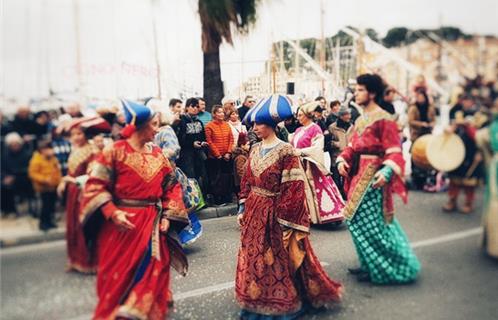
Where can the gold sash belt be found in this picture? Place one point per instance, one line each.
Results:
(264, 192)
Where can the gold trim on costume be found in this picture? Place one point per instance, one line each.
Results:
(362, 123)
(94, 204)
(78, 156)
(293, 225)
(260, 163)
(145, 165)
(294, 174)
(176, 215)
(393, 150)
(264, 192)
(101, 171)
(155, 243)
(359, 191)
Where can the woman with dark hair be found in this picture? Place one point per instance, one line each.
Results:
(278, 275)
(130, 201)
(421, 120)
(220, 143)
(238, 129)
(82, 154)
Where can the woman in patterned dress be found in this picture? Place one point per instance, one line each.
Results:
(327, 203)
(80, 158)
(278, 275)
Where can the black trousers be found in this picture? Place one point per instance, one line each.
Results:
(192, 164)
(49, 200)
(8, 200)
(221, 179)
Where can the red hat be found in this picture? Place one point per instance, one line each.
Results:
(90, 125)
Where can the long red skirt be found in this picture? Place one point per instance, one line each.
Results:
(265, 280)
(79, 258)
(134, 274)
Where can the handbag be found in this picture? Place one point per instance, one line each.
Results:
(194, 195)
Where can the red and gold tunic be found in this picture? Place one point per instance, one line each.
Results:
(133, 266)
(277, 268)
(79, 258)
(375, 142)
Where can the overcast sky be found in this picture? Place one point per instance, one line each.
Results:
(117, 51)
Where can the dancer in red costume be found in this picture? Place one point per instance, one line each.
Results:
(130, 202)
(82, 154)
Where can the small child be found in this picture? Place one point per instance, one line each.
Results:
(45, 174)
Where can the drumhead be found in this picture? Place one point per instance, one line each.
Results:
(445, 152)
(419, 152)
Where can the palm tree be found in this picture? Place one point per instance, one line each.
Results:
(217, 18)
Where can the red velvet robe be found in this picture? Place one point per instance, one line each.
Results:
(133, 271)
(375, 141)
(276, 266)
(79, 258)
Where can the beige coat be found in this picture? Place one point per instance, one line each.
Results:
(340, 139)
(416, 126)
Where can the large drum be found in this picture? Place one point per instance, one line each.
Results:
(445, 151)
(419, 152)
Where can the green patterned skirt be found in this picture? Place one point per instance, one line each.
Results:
(383, 249)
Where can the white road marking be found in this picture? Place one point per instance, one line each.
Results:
(32, 247)
(231, 284)
(61, 243)
(447, 238)
(205, 290)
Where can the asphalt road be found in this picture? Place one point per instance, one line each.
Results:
(457, 280)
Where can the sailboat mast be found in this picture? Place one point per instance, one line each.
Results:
(76, 15)
(156, 50)
(322, 43)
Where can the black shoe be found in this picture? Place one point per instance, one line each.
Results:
(52, 225)
(356, 271)
(363, 277)
(44, 227)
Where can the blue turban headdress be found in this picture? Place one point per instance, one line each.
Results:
(270, 111)
(136, 115)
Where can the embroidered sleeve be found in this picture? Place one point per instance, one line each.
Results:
(245, 186)
(391, 142)
(97, 190)
(291, 208)
(347, 154)
(393, 158)
(317, 142)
